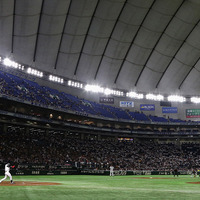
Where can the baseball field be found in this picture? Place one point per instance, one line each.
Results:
(100, 187)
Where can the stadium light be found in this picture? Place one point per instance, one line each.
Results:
(117, 93)
(9, 63)
(195, 99)
(94, 88)
(176, 98)
(74, 84)
(34, 72)
(56, 79)
(154, 97)
(134, 95)
(107, 91)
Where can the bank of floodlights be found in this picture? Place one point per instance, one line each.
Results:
(135, 95)
(34, 72)
(56, 79)
(9, 63)
(155, 97)
(176, 98)
(195, 99)
(75, 84)
(106, 91)
(94, 88)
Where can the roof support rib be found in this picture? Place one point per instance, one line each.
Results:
(13, 27)
(176, 53)
(157, 43)
(37, 36)
(133, 41)
(62, 34)
(188, 73)
(75, 71)
(109, 39)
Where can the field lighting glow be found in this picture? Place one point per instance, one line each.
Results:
(94, 88)
(176, 98)
(134, 95)
(106, 91)
(155, 97)
(34, 72)
(56, 79)
(195, 99)
(10, 63)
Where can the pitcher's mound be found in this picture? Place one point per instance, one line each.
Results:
(27, 183)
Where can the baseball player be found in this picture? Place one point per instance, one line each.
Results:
(7, 173)
(111, 170)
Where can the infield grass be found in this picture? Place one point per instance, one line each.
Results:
(103, 187)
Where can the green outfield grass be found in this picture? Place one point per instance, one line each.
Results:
(103, 187)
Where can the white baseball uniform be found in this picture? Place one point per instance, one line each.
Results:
(7, 173)
(111, 170)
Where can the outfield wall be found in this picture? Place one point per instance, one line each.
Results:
(91, 172)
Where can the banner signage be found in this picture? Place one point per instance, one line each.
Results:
(106, 100)
(169, 110)
(147, 107)
(126, 104)
(192, 113)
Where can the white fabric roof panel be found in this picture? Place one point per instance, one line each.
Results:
(77, 25)
(138, 55)
(124, 32)
(188, 55)
(108, 72)
(140, 4)
(55, 7)
(194, 39)
(91, 64)
(151, 78)
(83, 8)
(6, 8)
(109, 9)
(46, 51)
(24, 38)
(174, 76)
(6, 21)
(117, 50)
(152, 30)
(27, 7)
(113, 49)
(167, 7)
(145, 45)
(191, 84)
(133, 15)
(128, 75)
(189, 12)
(6, 35)
(101, 27)
(72, 44)
(24, 48)
(168, 46)
(66, 64)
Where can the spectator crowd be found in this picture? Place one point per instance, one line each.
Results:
(60, 149)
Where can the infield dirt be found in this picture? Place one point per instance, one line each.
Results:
(27, 183)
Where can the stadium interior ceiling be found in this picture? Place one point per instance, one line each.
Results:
(142, 45)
